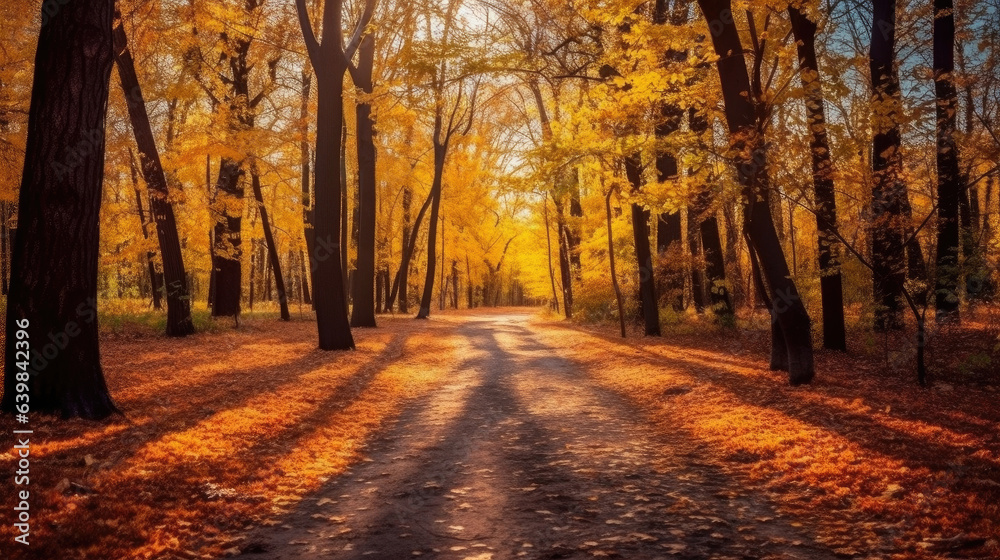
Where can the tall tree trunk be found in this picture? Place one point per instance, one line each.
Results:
(272, 247)
(53, 285)
(611, 263)
(668, 229)
(888, 191)
(404, 267)
(711, 242)
(307, 198)
(211, 232)
(328, 274)
(565, 266)
(454, 284)
(470, 290)
(387, 308)
(344, 212)
(228, 210)
(741, 116)
(831, 282)
(548, 246)
(154, 280)
(161, 210)
(573, 236)
(715, 270)
(949, 175)
(644, 256)
(698, 291)
(740, 290)
(440, 152)
(379, 282)
(443, 290)
(363, 310)
(399, 285)
(304, 278)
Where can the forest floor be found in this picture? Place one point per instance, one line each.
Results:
(495, 434)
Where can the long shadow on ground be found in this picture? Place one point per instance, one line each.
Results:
(521, 456)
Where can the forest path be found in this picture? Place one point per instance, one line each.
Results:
(521, 455)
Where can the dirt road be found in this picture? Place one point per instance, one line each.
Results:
(521, 455)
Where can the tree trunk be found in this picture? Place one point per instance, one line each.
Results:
(831, 282)
(949, 175)
(440, 151)
(328, 275)
(443, 290)
(668, 229)
(387, 308)
(741, 116)
(640, 231)
(711, 242)
(565, 266)
(344, 212)
(272, 247)
(307, 205)
(363, 310)
(53, 285)
(161, 210)
(154, 282)
(611, 260)
(715, 270)
(548, 246)
(888, 273)
(379, 282)
(304, 274)
(228, 209)
(698, 292)
(402, 276)
(470, 291)
(404, 266)
(454, 284)
(253, 272)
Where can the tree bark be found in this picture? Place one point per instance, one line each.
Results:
(399, 285)
(363, 309)
(611, 263)
(831, 282)
(345, 215)
(698, 291)
(888, 273)
(548, 246)
(440, 152)
(307, 199)
(742, 118)
(272, 247)
(227, 251)
(53, 285)
(711, 243)
(329, 65)
(949, 184)
(565, 265)
(644, 256)
(155, 281)
(160, 208)
(404, 266)
(668, 229)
